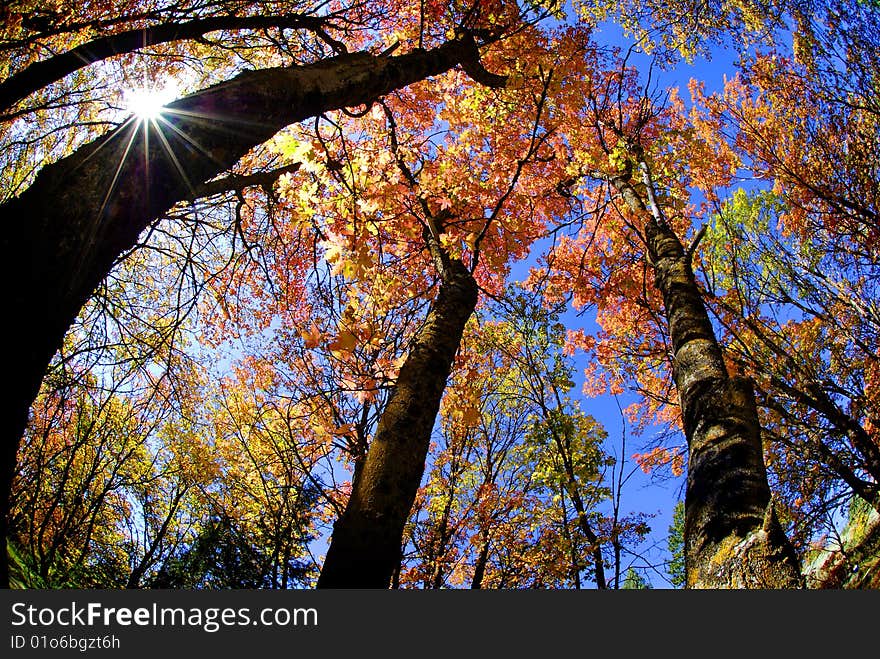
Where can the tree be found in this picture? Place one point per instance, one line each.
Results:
(802, 122)
(365, 548)
(634, 581)
(675, 541)
(366, 540)
(732, 533)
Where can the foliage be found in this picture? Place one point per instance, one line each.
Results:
(212, 404)
(634, 581)
(519, 473)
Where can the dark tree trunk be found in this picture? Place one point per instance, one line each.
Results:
(365, 547)
(589, 534)
(732, 536)
(481, 563)
(62, 236)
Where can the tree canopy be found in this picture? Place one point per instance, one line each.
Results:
(358, 294)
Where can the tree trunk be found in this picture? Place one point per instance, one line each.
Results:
(481, 563)
(732, 536)
(365, 547)
(62, 236)
(589, 534)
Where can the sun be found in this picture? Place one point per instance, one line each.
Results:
(148, 103)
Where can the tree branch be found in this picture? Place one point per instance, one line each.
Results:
(38, 75)
(689, 254)
(240, 181)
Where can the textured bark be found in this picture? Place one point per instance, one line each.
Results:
(365, 547)
(732, 536)
(63, 234)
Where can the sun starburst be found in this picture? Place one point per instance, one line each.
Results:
(147, 102)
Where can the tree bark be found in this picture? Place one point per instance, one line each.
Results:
(62, 236)
(45, 72)
(732, 536)
(365, 547)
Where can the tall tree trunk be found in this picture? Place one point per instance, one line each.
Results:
(481, 563)
(732, 536)
(365, 547)
(62, 236)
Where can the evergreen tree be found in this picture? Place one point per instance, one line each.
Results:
(675, 543)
